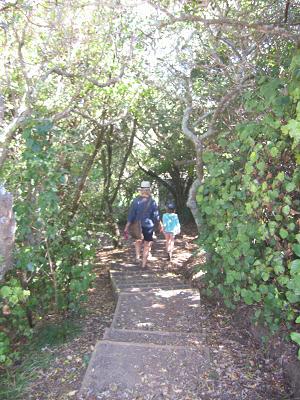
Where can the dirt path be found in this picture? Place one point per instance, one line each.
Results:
(238, 369)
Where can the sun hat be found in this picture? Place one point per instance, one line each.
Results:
(171, 206)
(145, 185)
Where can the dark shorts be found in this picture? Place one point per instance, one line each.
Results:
(148, 233)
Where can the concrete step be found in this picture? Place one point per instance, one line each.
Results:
(150, 284)
(160, 309)
(155, 337)
(119, 371)
(146, 289)
(145, 279)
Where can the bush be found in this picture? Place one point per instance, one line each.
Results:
(249, 204)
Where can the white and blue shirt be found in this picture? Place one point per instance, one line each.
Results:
(171, 223)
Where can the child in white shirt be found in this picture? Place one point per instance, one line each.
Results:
(171, 227)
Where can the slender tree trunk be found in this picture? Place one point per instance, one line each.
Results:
(86, 170)
(110, 194)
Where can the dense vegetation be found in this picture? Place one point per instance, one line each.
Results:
(249, 204)
(95, 97)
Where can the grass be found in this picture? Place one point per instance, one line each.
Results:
(14, 381)
(54, 334)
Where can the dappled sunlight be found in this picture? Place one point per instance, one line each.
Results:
(144, 324)
(158, 305)
(198, 275)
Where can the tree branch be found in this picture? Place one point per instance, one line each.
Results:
(271, 29)
(8, 132)
(286, 12)
(158, 178)
(124, 162)
(9, 5)
(109, 82)
(221, 106)
(112, 121)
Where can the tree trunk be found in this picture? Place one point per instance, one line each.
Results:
(110, 193)
(182, 188)
(7, 231)
(86, 170)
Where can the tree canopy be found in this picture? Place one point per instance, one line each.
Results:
(201, 97)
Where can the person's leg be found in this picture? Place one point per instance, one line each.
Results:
(168, 243)
(138, 245)
(148, 238)
(147, 248)
(171, 245)
(167, 235)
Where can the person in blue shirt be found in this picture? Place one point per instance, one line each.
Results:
(171, 228)
(144, 214)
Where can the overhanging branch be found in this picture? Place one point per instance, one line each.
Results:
(270, 29)
(158, 178)
(109, 82)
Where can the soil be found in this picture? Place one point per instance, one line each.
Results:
(239, 366)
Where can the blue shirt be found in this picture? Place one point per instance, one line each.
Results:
(171, 223)
(144, 209)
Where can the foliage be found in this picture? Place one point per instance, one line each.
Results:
(84, 108)
(249, 204)
(64, 116)
(13, 385)
(53, 265)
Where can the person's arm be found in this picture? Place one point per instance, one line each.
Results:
(127, 227)
(155, 216)
(178, 227)
(131, 216)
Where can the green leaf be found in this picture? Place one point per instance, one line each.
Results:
(286, 210)
(295, 266)
(283, 233)
(296, 249)
(265, 276)
(5, 291)
(247, 296)
(230, 277)
(283, 280)
(44, 127)
(278, 268)
(257, 296)
(292, 297)
(290, 187)
(280, 176)
(274, 152)
(295, 336)
(293, 129)
(298, 320)
(294, 285)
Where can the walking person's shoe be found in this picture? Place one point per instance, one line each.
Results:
(169, 257)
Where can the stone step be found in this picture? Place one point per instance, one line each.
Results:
(137, 271)
(132, 273)
(160, 309)
(136, 267)
(146, 289)
(144, 279)
(119, 371)
(155, 337)
(153, 285)
(150, 284)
